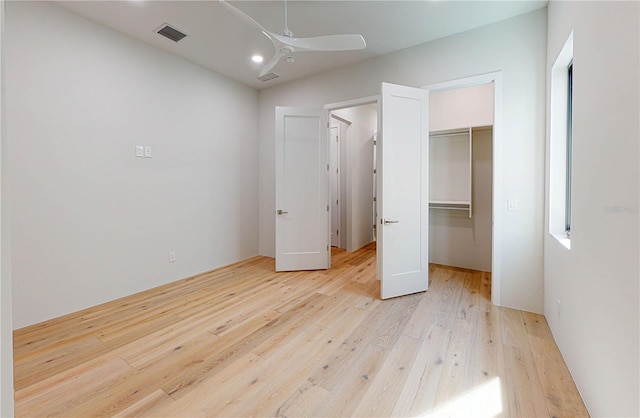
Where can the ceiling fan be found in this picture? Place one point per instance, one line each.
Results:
(286, 44)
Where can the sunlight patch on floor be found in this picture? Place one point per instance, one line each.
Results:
(484, 400)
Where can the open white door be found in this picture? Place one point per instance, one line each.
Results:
(302, 189)
(403, 191)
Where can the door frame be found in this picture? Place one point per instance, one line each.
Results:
(496, 214)
(335, 175)
(345, 174)
(344, 127)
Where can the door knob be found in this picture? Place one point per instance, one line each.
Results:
(389, 221)
(281, 212)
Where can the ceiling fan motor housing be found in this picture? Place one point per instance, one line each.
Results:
(286, 44)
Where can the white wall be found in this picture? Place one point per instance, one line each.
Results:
(358, 174)
(91, 222)
(461, 108)
(517, 48)
(6, 317)
(596, 281)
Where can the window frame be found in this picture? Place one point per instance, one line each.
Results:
(560, 139)
(569, 152)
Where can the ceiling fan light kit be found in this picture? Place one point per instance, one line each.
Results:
(286, 44)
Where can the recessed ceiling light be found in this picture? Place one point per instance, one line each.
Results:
(257, 58)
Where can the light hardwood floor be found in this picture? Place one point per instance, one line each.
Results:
(243, 340)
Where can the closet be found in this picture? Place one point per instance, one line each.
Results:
(460, 177)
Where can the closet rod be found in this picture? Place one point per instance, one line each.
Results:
(449, 134)
(447, 208)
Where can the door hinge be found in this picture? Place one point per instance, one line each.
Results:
(336, 201)
(327, 124)
(375, 199)
(327, 167)
(327, 208)
(337, 232)
(327, 248)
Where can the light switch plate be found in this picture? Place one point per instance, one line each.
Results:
(139, 151)
(512, 205)
(147, 151)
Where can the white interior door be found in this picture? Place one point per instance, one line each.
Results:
(403, 191)
(334, 174)
(302, 189)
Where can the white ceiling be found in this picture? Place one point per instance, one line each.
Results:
(220, 41)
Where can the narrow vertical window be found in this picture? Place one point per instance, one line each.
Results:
(560, 145)
(567, 215)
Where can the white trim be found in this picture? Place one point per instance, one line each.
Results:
(6, 324)
(343, 120)
(496, 250)
(353, 103)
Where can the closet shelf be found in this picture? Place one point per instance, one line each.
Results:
(450, 169)
(450, 204)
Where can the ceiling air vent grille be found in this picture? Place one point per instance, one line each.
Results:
(268, 76)
(172, 33)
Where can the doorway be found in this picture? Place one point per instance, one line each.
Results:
(482, 119)
(352, 136)
(334, 173)
(461, 160)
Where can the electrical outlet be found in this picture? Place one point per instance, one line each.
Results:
(147, 151)
(139, 151)
(172, 256)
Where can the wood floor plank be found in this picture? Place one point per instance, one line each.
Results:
(356, 379)
(557, 383)
(455, 378)
(228, 350)
(363, 295)
(488, 355)
(526, 397)
(305, 401)
(56, 400)
(272, 380)
(217, 390)
(145, 407)
(420, 322)
(45, 368)
(244, 340)
(380, 399)
(28, 361)
(419, 392)
(383, 328)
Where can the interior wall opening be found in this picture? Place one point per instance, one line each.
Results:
(352, 139)
(461, 177)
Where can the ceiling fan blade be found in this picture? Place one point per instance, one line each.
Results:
(269, 66)
(245, 17)
(323, 43)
